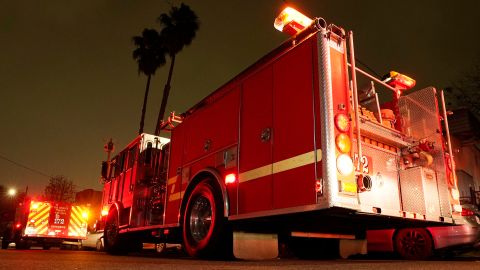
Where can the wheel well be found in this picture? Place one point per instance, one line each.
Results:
(115, 207)
(199, 177)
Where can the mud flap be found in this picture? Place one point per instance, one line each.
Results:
(350, 247)
(255, 246)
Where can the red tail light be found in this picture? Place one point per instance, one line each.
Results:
(18, 225)
(342, 122)
(230, 178)
(467, 212)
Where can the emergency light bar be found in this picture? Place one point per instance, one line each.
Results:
(399, 81)
(291, 21)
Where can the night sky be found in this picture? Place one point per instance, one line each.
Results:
(68, 81)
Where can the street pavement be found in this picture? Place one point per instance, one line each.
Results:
(38, 259)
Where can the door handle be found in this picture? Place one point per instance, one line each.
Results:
(266, 134)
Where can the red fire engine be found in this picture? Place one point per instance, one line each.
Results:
(47, 224)
(291, 147)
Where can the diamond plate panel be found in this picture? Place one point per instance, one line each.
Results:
(412, 190)
(444, 196)
(432, 204)
(384, 173)
(420, 113)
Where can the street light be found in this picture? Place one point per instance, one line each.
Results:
(12, 192)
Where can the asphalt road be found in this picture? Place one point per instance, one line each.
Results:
(73, 260)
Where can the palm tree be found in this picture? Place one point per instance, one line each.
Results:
(179, 27)
(149, 56)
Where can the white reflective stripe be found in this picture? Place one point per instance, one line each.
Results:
(172, 180)
(281, 166)
(175, 196)
(255, 173)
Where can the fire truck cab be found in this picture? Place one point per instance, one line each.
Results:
(291, 147)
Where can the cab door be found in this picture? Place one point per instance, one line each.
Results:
(128, 176)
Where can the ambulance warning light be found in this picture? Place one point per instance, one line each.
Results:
(291, 21)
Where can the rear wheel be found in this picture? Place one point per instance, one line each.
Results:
(414, 244)
(111, 235)
(205, 233)
(22, 244)
(5, 243)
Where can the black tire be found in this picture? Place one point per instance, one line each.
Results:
(5, 244)
(205, 232)
(133, 244)
(22, 244)
(111, 236)
(414, 244)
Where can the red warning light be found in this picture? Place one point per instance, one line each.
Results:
(230, 178)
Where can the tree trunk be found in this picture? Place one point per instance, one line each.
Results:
(166, 93)
(144, 108)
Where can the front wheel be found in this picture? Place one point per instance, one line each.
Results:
(414, 244)
(111, 236)
(205, 233)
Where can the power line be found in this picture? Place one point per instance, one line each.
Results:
(25, 167)
(369, 68)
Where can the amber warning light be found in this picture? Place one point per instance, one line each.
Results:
(291, 21)
(399, 81)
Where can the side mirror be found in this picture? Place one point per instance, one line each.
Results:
(104, 170)
(148, 154)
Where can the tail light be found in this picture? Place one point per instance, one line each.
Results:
(455, 194)
(342, 122)
(467, 212)
(318, 186)
(457, 208)
(343, 142)
(18, 225)
(344, 164)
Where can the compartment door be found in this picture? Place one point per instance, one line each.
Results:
(255, 160)
(293, 144)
